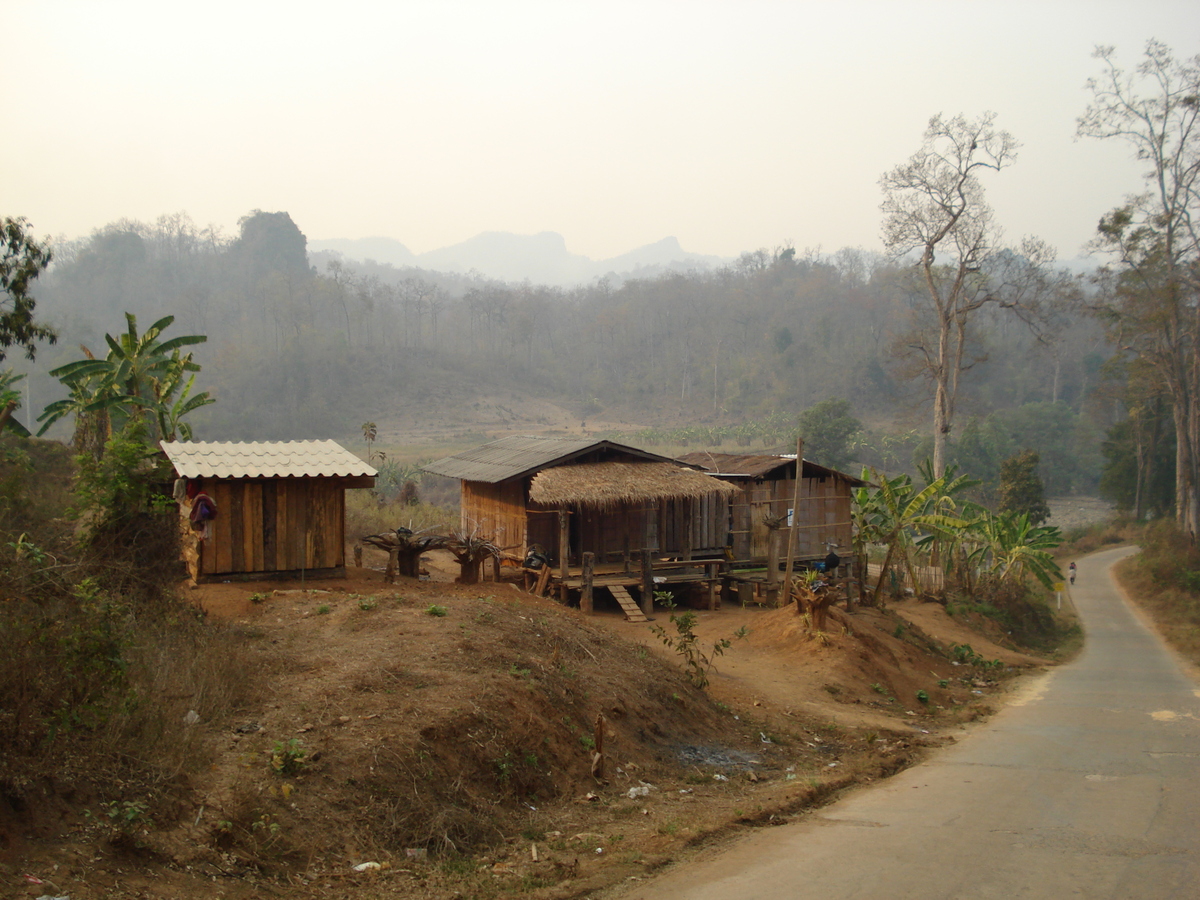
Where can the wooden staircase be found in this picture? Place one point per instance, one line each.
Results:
(633, 612)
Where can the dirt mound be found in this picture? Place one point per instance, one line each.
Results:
(448, 734)
(438, 714)
(890, 671)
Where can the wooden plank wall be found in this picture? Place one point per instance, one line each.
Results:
(609, 532)
(709, 525)
(823, 504)
(497, 512)
(275, 525)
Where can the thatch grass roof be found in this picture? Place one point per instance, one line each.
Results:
(607, 485)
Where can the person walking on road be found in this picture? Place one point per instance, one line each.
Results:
(1071, 572)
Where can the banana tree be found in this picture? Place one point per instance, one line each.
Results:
(10, 401)
(169, 410)
(945, 548)
(1011, 548)
(896, 515)
(140, 374)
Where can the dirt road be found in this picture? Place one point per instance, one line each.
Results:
(1085, 786)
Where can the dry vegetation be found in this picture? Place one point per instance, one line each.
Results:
(1164, 580)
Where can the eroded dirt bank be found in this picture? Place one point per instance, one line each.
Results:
(447, 736)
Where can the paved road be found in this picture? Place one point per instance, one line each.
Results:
(1087, 786)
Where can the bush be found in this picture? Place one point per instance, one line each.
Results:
(101, 664)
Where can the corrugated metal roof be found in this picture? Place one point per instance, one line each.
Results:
(756, 465)
(517, 454)
(266, 459)
(746, 465)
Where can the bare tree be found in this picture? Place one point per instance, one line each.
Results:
(1155, 237)
(934, 206)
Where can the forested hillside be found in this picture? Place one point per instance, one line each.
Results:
(307, 346)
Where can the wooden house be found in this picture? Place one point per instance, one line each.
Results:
(278, 508)
(767, 484)
(572, 496)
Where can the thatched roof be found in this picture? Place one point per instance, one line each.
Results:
(610, 484)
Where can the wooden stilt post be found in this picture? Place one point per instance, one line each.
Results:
(690, 531)
(794, 524)
(564, 543)
(773, 566)
(647, 583)
(585, 592)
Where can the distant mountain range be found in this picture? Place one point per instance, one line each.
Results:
(540, 258)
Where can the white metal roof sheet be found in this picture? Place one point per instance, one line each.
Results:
(266, 459)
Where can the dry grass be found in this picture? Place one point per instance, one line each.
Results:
(365, 514)
(1164, 579)
(1081, 541)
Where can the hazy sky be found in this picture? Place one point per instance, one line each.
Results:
(730, 125)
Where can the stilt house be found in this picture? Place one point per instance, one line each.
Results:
(278, 508)
(572, 495)
(767, 484)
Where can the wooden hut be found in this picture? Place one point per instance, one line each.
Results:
(279, 508)
(573, 496)
(767, 485)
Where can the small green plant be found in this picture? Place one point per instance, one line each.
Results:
(125, 816)
(23, 548)
(878, 688)
(258, 597)
(518, 672)
(367, 603)
(288, 758)
(899, 632)
(922, 696)
(589, 743)
(943, 682)
(267, 829)
(962, 653)
(696, 662)
(504, 767)
(434, 610)
(323, 609)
